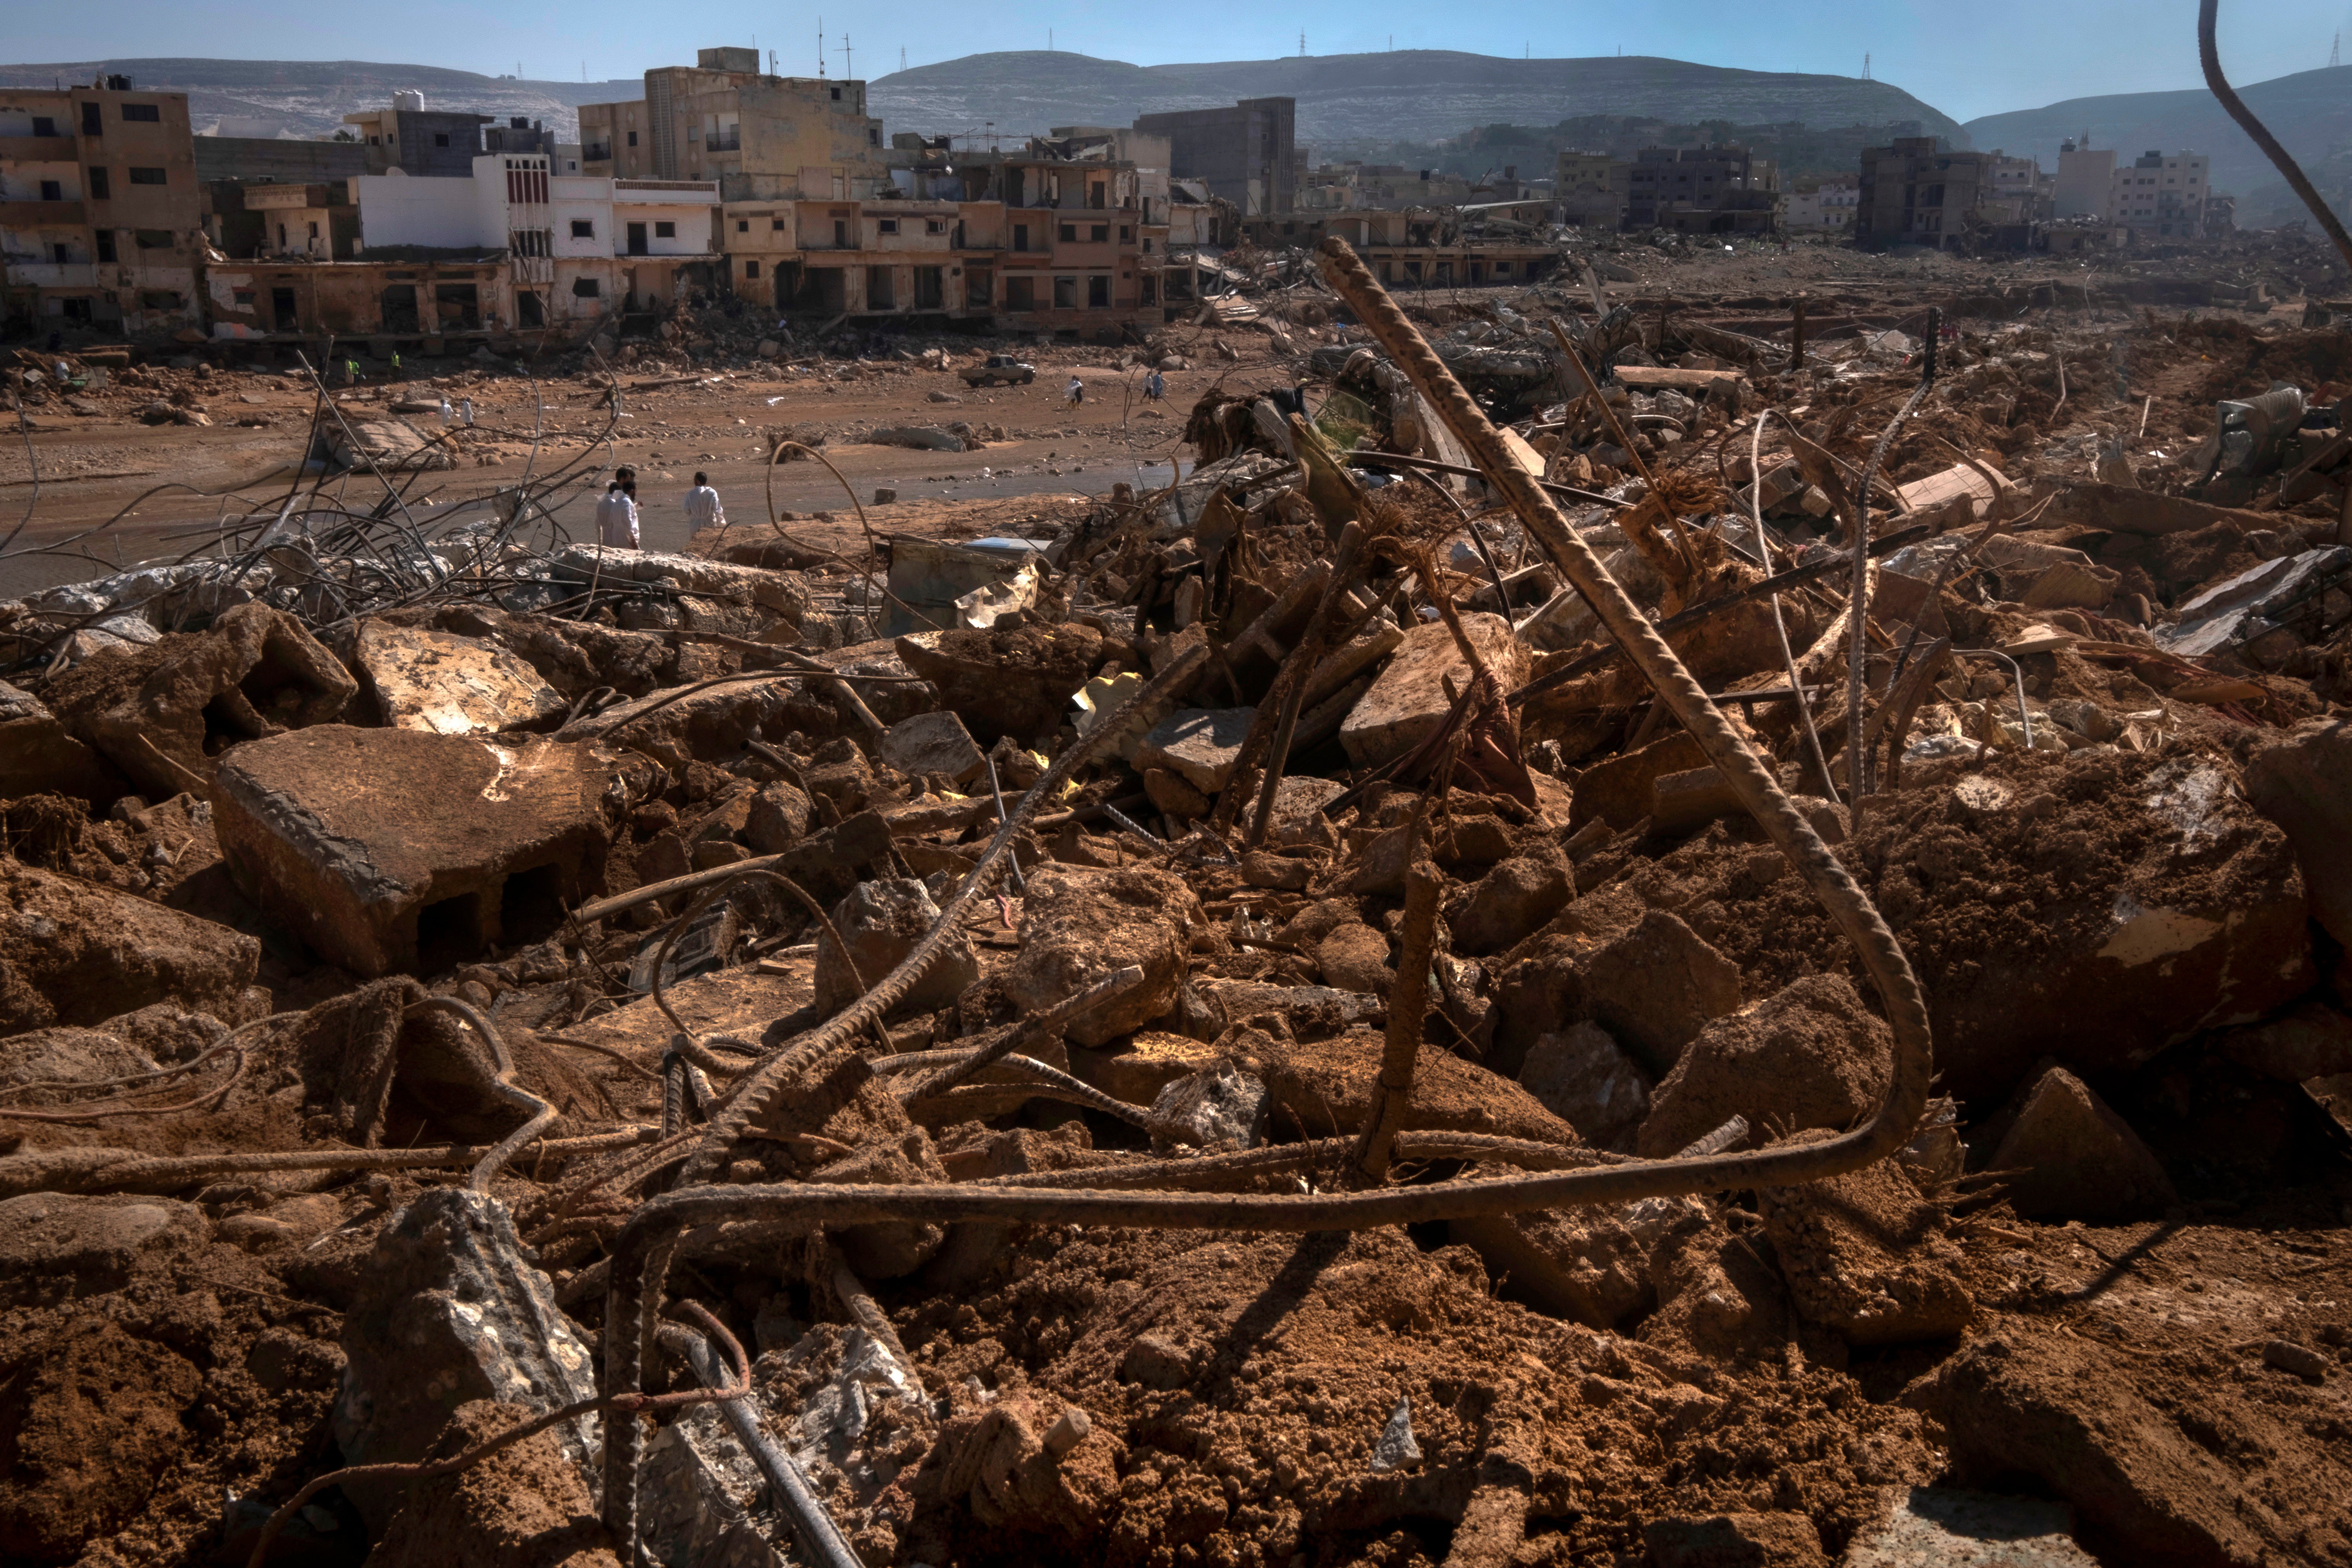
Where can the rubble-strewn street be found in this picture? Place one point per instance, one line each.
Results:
(1265, 1010)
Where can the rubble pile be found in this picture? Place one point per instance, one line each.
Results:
(1253, 1035)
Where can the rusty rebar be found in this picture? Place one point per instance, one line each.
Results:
(2208, 55)
(1408, 1013)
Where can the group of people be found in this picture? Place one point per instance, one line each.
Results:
(1155, 387)
(616, 514)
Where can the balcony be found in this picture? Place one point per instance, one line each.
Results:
(42, 214)
(37, 150)
(731, 141)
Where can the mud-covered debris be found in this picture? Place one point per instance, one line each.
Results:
(2067, 1156)
(1809, 1056)
(1078, 926)
(880, 923)
(72, 952)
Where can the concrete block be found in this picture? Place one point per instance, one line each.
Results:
(395, 850)
(1409, 701)
(449, 685)
(881, 921)
(2075, 1158)
(1200, 745)
(932, 744)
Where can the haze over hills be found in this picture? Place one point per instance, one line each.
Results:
(2310, 112)
(1418, 95)
(1405, 95)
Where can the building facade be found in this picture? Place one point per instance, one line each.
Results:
(1248, 152)
(2162, 194)
(762, 137)
(1718, 189)
(1591, 189)
(2086, 179)
(100, 213)
(1913, 195)
(416, 139)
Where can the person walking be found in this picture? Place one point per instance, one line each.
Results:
(1076, 391)
(617, 517)
(1154, 387)
(702, 507)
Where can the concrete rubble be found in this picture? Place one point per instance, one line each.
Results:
(425, 949)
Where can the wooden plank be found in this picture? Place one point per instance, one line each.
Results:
(1650, 377)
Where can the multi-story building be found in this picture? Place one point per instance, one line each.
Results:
(1827, 209)
(2162, 194)
(100, 214)
(2085, 179)
(1718, 189)
(1591, 189)
(762, 137)
(1913, 195)
(1247, 153)
(416, 139)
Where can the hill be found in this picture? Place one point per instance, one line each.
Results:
(2310, 112)
(1418, 95)
(310, 98)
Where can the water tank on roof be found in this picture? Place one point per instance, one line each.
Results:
(409, 99)
(118, 84)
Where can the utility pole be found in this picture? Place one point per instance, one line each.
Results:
(1866, 67)
(902, 56)
(848, 65)
(820, 47)
(2336, 51)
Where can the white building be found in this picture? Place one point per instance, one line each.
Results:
(2160, 194)
(579, 245)
(1827, 210)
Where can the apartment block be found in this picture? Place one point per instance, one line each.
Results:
(762, 137)
(1827, 209)
(416, 139)
(100, 214)
(1247, 153)
(2086, 179)
(1591, 189)
(2162, 194)
(1717, 189)
(1913, 195)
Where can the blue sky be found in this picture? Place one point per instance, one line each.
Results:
(1965, 58)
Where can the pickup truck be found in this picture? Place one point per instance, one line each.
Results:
(1001, 370)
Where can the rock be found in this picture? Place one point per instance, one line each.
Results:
(450, 1312)
(1396, 1449)
(1683, 803)
(1297, 817)
(1155, 1362)
(1218, 1107)
(846, 779)
(523, 1505)
(1354, 957)
(2304, 783)
(1230, 1001)
(1581, 1077)
(74, 953)
(1735, 1540)
(2314, 1040)
(151, 710)
(2071, 1413)
(1078, 926)
(1620, 789)
(782, 593)
(883, 496)
(91, 1422)
(1200, 745)
(701, 726)
(1512, 902)
(924, 438)
(778, 818)
(1946, 1527)
(1137, 1068)
(1714, 1293)
(1281, 872)
(450, 685)
(256, 1232)
(1069, 1429)
(1173, 794)
(2073, 1158)
(2301, 1360)
(932, 744)
(1328, 1085)
(882, 920)
(1408, 701)
(39, 756)
(353, 839)
(56, 1247)
(1642, 974)
(1576, 1263)
(69, 1055)
(1866, 1257)
(936, 395)
(1809, 1056)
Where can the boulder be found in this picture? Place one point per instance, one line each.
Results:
(1581, 1076)
(1809, 1056)
(2304, 783)
(1199, 745)
(2067, 1157)
(1078, 926)
(881, 922)
(1354, 957)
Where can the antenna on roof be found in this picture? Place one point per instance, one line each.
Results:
(820, 46)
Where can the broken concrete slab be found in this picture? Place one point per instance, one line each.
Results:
(1941, 489)
(2244, 609)
(1511, 901)
(450, 1310)
(1409, 701)
(1079, 926)
(160, 712)
(1809, 1056)
(72, 952)
(1199, 745)
(784, 593)
(931, 744)
(390, 849)
(1328, 1085)
(2066, 1155)
(450, 685)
